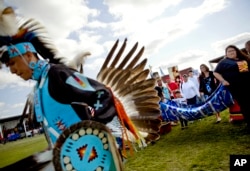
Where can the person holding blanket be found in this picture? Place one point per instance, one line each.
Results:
(233, 72)
(208, 84)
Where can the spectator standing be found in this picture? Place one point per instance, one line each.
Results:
(189, 91)
(193, 78)
(162, 90)
(172, 87)
(180, 99)
(233, 72)
(247, 48)
(178, 81)
(208, 84)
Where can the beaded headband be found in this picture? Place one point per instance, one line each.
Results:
(20, 48)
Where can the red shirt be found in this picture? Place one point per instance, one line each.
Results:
(173, 86)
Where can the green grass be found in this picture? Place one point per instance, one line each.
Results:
(16, 150)
(204, 146)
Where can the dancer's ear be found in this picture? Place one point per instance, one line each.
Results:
(30, 57)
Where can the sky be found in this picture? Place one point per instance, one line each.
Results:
(180, 32)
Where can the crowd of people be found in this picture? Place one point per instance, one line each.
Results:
(192, 89)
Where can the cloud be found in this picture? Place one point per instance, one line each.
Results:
(153, 23)
(2, 104)
(17, 105)
(59, 17)
(77, 26)
(195, 57)
(127, 9)
(186, 59)
(4, 109)
(8, 110)
(237, 40)
(74, 25)
(11, 80)
(94, 66)
(62, 20)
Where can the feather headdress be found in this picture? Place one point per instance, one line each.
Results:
(15, 29)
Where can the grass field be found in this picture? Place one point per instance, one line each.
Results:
(204, 146)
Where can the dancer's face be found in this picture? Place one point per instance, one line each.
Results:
(19, 65)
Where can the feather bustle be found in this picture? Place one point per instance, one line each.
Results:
(136, 93)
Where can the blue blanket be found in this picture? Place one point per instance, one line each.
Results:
(220, 100)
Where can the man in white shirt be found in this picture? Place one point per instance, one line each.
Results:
(193, 78)
(189, 91)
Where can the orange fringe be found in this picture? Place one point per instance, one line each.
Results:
(125, 121)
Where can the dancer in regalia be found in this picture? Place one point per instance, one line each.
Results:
(81, 116)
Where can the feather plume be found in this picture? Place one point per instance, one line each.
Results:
(14, 28)
(78, 61)
(8, 22)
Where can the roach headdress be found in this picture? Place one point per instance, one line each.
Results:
(19, 35)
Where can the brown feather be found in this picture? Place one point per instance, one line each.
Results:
(152, 138)
(146, 98)
(114, 75)
(137, 74)
(102, 75)
(108, 58)
(107, 78)
(139, 86)
(141, 76)
(118, 79)
(119, 54)
(135, 59)
(127, 57)
(149, 103)
(147, 111)
(121, 80)
(115, 71)
(140, 67)
(142, 93)
(147, 125)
